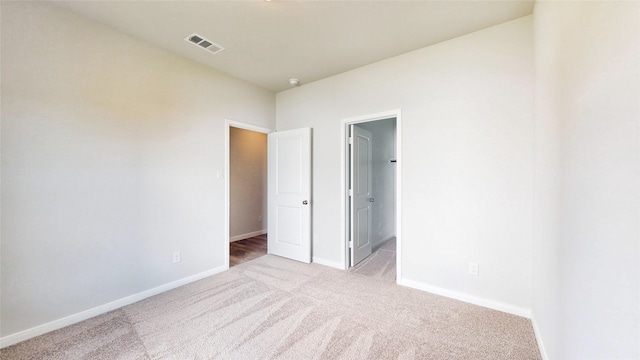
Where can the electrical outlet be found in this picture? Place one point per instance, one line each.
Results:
(473, 269)
(176, 257)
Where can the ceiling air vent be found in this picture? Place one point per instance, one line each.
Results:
(200, 41)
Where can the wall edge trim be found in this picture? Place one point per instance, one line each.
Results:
(247, 235)
(536, 332)
(27, 334)
(475, 300)
(329, 263)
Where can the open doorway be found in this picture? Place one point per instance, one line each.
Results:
(246, 192)
(372, 195)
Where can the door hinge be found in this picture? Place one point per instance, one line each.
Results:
(350, 192)
(350, 140)
(350, 244)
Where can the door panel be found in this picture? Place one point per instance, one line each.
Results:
(362, 194)
(289, 154)
(289, 225)
(289, 194)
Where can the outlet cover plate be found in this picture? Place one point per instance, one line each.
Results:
(473, 268)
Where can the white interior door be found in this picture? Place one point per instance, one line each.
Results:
(289, 194)
(361, 195)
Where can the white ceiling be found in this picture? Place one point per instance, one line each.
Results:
(266, 43)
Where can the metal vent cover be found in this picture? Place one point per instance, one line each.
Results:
(200, 41)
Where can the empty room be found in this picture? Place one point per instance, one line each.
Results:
(431, 180)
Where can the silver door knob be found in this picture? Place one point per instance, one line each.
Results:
(304, 202)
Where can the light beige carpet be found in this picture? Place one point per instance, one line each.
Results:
(274, 308)
(381, 264)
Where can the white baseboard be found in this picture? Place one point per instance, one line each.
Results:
(247, 235)
(98, 310)
(329, 263)
(389, 237)
(384, 240)
(536, 331)
(491, 304)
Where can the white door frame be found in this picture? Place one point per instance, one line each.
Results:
(227, 207)
(345, 183)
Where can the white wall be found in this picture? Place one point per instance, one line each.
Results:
(467, 117)
(109, 154)
(383, 215)
(587, 224)
(110, 149)
(546, 195)
(248, 183)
